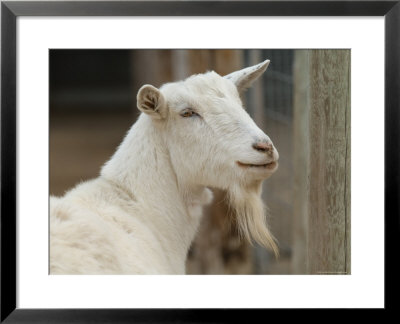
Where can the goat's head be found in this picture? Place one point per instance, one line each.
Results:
(212, 141)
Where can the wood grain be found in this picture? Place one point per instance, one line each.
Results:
(329, 194)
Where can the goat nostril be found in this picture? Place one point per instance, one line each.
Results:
(262, 146)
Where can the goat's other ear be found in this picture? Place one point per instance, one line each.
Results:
(244, 78)
(151, 101)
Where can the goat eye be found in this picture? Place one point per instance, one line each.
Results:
(188, 113)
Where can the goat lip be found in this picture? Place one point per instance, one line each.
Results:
(269, 165)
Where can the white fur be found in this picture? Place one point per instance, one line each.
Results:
(141, 214)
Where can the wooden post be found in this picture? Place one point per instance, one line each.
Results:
(327, 165)
(348, 173)
(322, 162)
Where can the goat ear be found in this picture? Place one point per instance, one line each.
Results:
(244, 78)
(151, 101)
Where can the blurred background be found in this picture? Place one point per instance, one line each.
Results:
(93, 104)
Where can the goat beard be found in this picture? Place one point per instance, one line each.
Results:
(245, 201)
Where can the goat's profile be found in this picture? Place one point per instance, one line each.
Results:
(141, 214)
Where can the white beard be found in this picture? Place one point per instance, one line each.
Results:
(250, 211)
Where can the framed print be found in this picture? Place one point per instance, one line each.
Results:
(324, 93)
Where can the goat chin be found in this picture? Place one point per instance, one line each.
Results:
(250, 215)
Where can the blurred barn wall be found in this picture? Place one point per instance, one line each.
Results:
(92, 105)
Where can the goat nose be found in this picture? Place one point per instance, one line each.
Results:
(263, 147)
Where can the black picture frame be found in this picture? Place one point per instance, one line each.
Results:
(11, 10)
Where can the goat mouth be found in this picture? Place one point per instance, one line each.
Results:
(269, 166)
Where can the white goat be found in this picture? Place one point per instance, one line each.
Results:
(141, 214)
